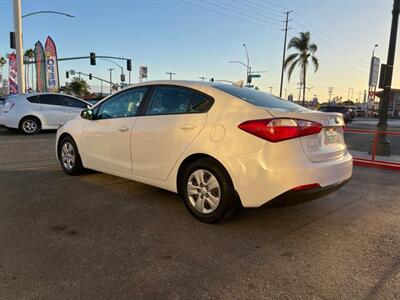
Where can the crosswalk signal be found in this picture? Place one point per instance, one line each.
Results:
(90, 76)
(129, 65)
(92, 58)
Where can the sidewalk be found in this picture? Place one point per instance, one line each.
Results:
(369, 123)
(365, 155)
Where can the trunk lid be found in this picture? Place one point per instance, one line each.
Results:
(329, 143)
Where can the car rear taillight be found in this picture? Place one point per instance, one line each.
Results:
(8, 106)
(280, 129)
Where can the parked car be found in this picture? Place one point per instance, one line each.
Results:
(215, 144)
(345, 111)
(32, 112)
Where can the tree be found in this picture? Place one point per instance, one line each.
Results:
(305, 52)
(77, 87)
(29, 54)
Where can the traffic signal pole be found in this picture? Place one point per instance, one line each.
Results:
(383, 144)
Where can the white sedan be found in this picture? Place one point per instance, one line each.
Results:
(217, 145)
(32, 112)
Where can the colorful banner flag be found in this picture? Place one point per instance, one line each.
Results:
(52, 78)
(12, 73)
(40, 68)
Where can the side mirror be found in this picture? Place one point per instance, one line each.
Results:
(87, 114)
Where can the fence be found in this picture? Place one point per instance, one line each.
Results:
(364, 160)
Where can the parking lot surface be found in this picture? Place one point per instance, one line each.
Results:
(101, 237)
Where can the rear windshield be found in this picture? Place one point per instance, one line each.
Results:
(258, 98)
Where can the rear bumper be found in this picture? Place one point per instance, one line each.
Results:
(260, 177)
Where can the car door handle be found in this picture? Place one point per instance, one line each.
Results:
(123, 128)
(187, 126)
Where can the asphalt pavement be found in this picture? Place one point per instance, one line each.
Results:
(101, 237)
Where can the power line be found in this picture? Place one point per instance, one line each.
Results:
(229, 15)
(240, 11)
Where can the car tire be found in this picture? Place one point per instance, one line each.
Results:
(208, 191)
(69, 157)
(29, 125)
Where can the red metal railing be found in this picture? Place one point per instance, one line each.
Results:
(373, 162)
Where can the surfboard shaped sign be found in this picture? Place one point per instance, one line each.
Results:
(52, 77)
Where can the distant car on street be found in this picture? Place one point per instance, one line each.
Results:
(215, 144)
(345, 111)
(31, 113)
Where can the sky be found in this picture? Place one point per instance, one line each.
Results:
(196, 38)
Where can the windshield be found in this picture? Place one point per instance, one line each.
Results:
(258, 98)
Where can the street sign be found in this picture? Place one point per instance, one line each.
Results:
(143, 72)
(255, 75)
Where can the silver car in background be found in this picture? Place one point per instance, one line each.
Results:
(31, 113)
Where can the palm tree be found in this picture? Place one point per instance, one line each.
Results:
(305, 51)
(29, 54)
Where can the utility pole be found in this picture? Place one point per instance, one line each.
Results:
(111, 69)
(202, 78)
(330, 92)
(300, 85)
(270, 89)
(284, 50)
(170, 74)
(19, 47)
(383, 144)
(350, 92)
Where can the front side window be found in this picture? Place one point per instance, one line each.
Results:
(122, 105)
(175, 100)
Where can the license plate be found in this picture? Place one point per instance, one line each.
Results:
(331, 136)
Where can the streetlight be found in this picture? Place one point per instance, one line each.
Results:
(373, 51)
(18, 41)
(118, 65)
(248, 68)
(48, 12)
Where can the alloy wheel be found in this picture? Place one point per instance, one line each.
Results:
(204, 191)
(29, 126)
(68, 155)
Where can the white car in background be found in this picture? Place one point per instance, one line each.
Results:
(214, 144)
(31, 113)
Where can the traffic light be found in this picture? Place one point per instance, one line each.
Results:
(12, 40)
(67, 74)
(90, 76)
(92, 58)
(129, 64)
(249, 77)
(122, 77)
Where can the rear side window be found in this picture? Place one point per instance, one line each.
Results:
(33, 99)
(175, 100)
(50, 99)
(258, 98)
(200, 103)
